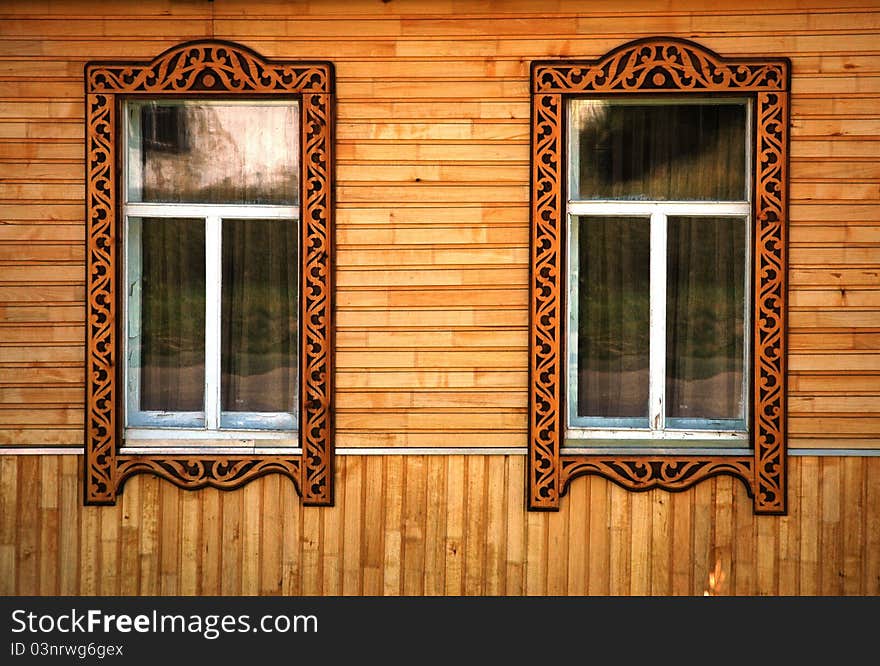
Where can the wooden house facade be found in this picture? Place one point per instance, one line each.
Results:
(433, 453)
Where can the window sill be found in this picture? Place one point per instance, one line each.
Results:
(159, 441)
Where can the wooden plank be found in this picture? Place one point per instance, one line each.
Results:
(872, 527)
(641, 545)
(536, 561)
(69, 534)
(853, 527)
(662, 517)
(415, 503)
(291, 544)
(620, 540)
(169, 539)
(311, 579)
(789, 533)
(599, 541)
(232, 539)
(270, 536)
(350, 474)
(149, 575)
(475, 526)
(724, 568)
(190, 545)
(830, 526)
(212, 546)
(496, 525)
(129, 539)
(578, 525)
(9, 511)
(455, 525)
(515, 503)
(372, 537)
(435, 527)
(392, 526)
(28, 529)
(558, 548)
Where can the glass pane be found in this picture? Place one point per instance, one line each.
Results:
(705, 310)
(259, 316)
(658, 151)
(213, 152)
(613, 316)
(172, 343)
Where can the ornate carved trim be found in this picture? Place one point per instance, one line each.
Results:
(658, 66)
(206, 471)
(667, 472)
(207, 68)
(661, 64)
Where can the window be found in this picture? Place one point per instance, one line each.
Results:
(209, 264)
(211, 280)
(658, 222)
(657, 351)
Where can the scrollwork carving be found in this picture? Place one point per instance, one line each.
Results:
(200, 68)
(658, 65)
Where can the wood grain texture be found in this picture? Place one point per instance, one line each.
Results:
(385, 536)
(432, 293)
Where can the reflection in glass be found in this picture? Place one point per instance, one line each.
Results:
(213, 152)
(258, 312)
(613, 316)
(706, 259)
(172, 343)
(659, 152)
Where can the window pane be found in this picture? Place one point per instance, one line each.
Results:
(613, 316)
(259, 316)
(213, 152)
(705, 310)
(172, 349)
(667, 151)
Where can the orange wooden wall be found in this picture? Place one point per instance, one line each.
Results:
(432, 212)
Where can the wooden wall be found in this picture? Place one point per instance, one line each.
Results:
(432, 146)
(435, 525)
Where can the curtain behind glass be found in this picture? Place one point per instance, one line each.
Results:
(659, 152)
(613, 316)
(172, 353)
(705, 317)
(258, 358)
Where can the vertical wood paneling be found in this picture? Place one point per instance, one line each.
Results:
(632, 544)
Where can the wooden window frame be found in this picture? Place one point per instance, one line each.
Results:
(211, 68)
(658, 65)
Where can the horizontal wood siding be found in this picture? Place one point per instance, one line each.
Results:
(432, 276)
(438, 525)
(432, 198)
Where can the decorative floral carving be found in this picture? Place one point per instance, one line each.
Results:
(671, 65)
(205, 68)
(201, 472)
(658, 65)
(643, 473)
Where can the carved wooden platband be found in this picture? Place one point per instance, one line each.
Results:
(204, 69)
(658, 66)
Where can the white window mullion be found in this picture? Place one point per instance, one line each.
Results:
(657, 358)
(213, 276)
